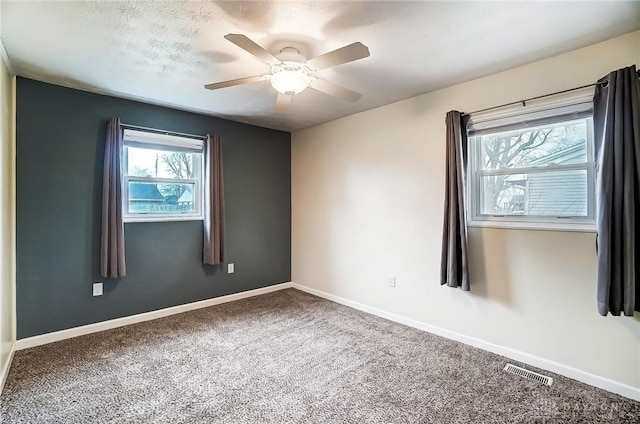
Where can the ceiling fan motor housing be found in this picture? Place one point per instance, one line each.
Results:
(292, 75)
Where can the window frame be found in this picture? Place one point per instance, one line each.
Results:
(551, 112)
(168, 143)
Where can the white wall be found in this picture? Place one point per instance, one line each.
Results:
(7, 218)
(367, 201)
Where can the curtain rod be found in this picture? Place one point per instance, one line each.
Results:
(524, 102)
(157, 131)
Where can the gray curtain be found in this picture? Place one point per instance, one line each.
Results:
(112, 263)
(616, 121)
(454, 266)
(214, 225)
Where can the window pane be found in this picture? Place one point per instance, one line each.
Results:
(562, 143)
(160, 163)
(161, 197)
(556, 193)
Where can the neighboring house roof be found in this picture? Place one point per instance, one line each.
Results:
(187, 196)
(172, 199)
(563, 156)
(144, 192)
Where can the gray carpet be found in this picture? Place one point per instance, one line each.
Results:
(285, 357)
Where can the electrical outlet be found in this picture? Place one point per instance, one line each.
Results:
(230, 268)
(392, 281)
(97, 289)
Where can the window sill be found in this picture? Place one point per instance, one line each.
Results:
(536, 226)
(133, 219)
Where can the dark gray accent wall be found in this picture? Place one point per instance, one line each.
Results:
(60, 139)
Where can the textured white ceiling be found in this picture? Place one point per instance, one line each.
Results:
(164, 52)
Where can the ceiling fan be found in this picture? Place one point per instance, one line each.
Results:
(291, 72)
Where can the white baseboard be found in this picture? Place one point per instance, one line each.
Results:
(147, 316)
(555, 367)
(4, 368)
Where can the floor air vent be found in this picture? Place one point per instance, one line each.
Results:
(529, 374)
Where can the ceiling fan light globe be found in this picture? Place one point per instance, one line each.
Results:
(290, 82)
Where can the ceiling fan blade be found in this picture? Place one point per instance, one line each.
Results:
(231, 83)
(282, 102)
(335, 90)
(345, 54)
(247, 44)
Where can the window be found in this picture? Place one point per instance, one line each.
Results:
(162, 177)
(533, 169)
